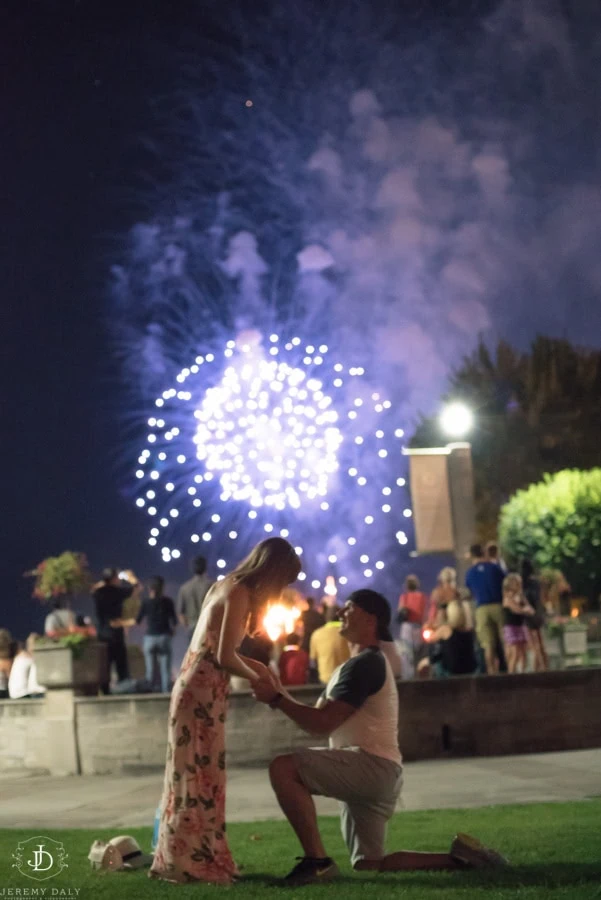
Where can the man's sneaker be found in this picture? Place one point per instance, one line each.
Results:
(471, 852)
(311, 871)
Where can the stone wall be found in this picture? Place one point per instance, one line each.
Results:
(458, 717)
(127, 735)
(23, 732)
(530, 713)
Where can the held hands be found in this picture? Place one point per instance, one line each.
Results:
(266, 687)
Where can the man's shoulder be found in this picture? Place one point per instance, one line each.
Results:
(370, 660)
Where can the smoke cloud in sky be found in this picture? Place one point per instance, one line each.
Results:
(398, 185)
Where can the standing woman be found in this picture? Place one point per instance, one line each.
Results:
(192, 845)
(515, 632)
(532, 592)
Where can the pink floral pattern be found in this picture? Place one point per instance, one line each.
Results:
(192, 844)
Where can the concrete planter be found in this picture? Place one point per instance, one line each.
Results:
(61, 667)
(553, 645)
(574, 641)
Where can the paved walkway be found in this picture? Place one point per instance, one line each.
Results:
(38, 801)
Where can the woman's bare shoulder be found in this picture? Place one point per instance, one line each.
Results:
(232, 591)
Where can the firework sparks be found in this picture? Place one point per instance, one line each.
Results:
(255, 441)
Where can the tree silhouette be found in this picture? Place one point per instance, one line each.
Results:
(535, 413)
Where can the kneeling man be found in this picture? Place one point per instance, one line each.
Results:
(362, 768)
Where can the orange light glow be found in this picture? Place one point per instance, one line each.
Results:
(279, 620)
(575, 612)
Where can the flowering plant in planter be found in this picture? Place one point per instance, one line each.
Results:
(61, 575)
(76, 641)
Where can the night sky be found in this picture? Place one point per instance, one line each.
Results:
(79, 76)
(80, 79)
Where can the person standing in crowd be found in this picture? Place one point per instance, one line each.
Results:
(312, 619)
(327, 648)
(192, 842)
(362, 767)
(516, 608)
(191, 595)
(109, 596)
(443, 593)
(23, 681)
(411, 615)
(484, 580)
(159, 612)
(492, 555)
(293, 662)
(532, 592)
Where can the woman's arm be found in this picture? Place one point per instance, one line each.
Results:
(256, 666)
(510, 603)
(235, 614)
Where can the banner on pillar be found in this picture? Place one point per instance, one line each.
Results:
(431, 500)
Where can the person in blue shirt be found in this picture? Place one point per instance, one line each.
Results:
(484, 581)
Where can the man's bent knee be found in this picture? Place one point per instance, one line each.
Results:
(282, 769)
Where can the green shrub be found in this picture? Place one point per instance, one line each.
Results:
(557, 524)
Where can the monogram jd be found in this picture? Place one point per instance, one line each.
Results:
(40, 858)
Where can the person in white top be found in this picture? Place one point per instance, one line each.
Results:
(358, 712)
(23, 680)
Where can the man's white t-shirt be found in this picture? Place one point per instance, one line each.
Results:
(366, 682)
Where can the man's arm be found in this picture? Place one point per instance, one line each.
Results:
(322, 721)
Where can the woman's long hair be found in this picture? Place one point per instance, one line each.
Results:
(512, 584)
(269, 566)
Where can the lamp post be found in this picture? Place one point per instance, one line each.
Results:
(442, 490)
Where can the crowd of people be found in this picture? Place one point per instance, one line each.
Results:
(486, 625)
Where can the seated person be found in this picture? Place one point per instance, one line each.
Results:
(455, 639)
(293, 662)
(59, 621)
(23, 680)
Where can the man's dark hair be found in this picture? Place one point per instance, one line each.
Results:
(156, 585)
(492, 550)
(108, 574)
(293, 638)
(476, 551)
(199, 565)
(412, 583)
(310, 602)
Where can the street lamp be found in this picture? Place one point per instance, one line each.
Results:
(456, 420)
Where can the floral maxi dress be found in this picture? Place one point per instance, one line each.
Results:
(192, 845)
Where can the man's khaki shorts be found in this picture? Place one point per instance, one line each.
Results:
(367, 786)
(489, 625)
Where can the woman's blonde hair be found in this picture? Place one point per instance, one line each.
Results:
(448, 575)
(271, 565)
(456, 617)
(512, 583)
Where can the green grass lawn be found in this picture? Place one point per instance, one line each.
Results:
(555, 850)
